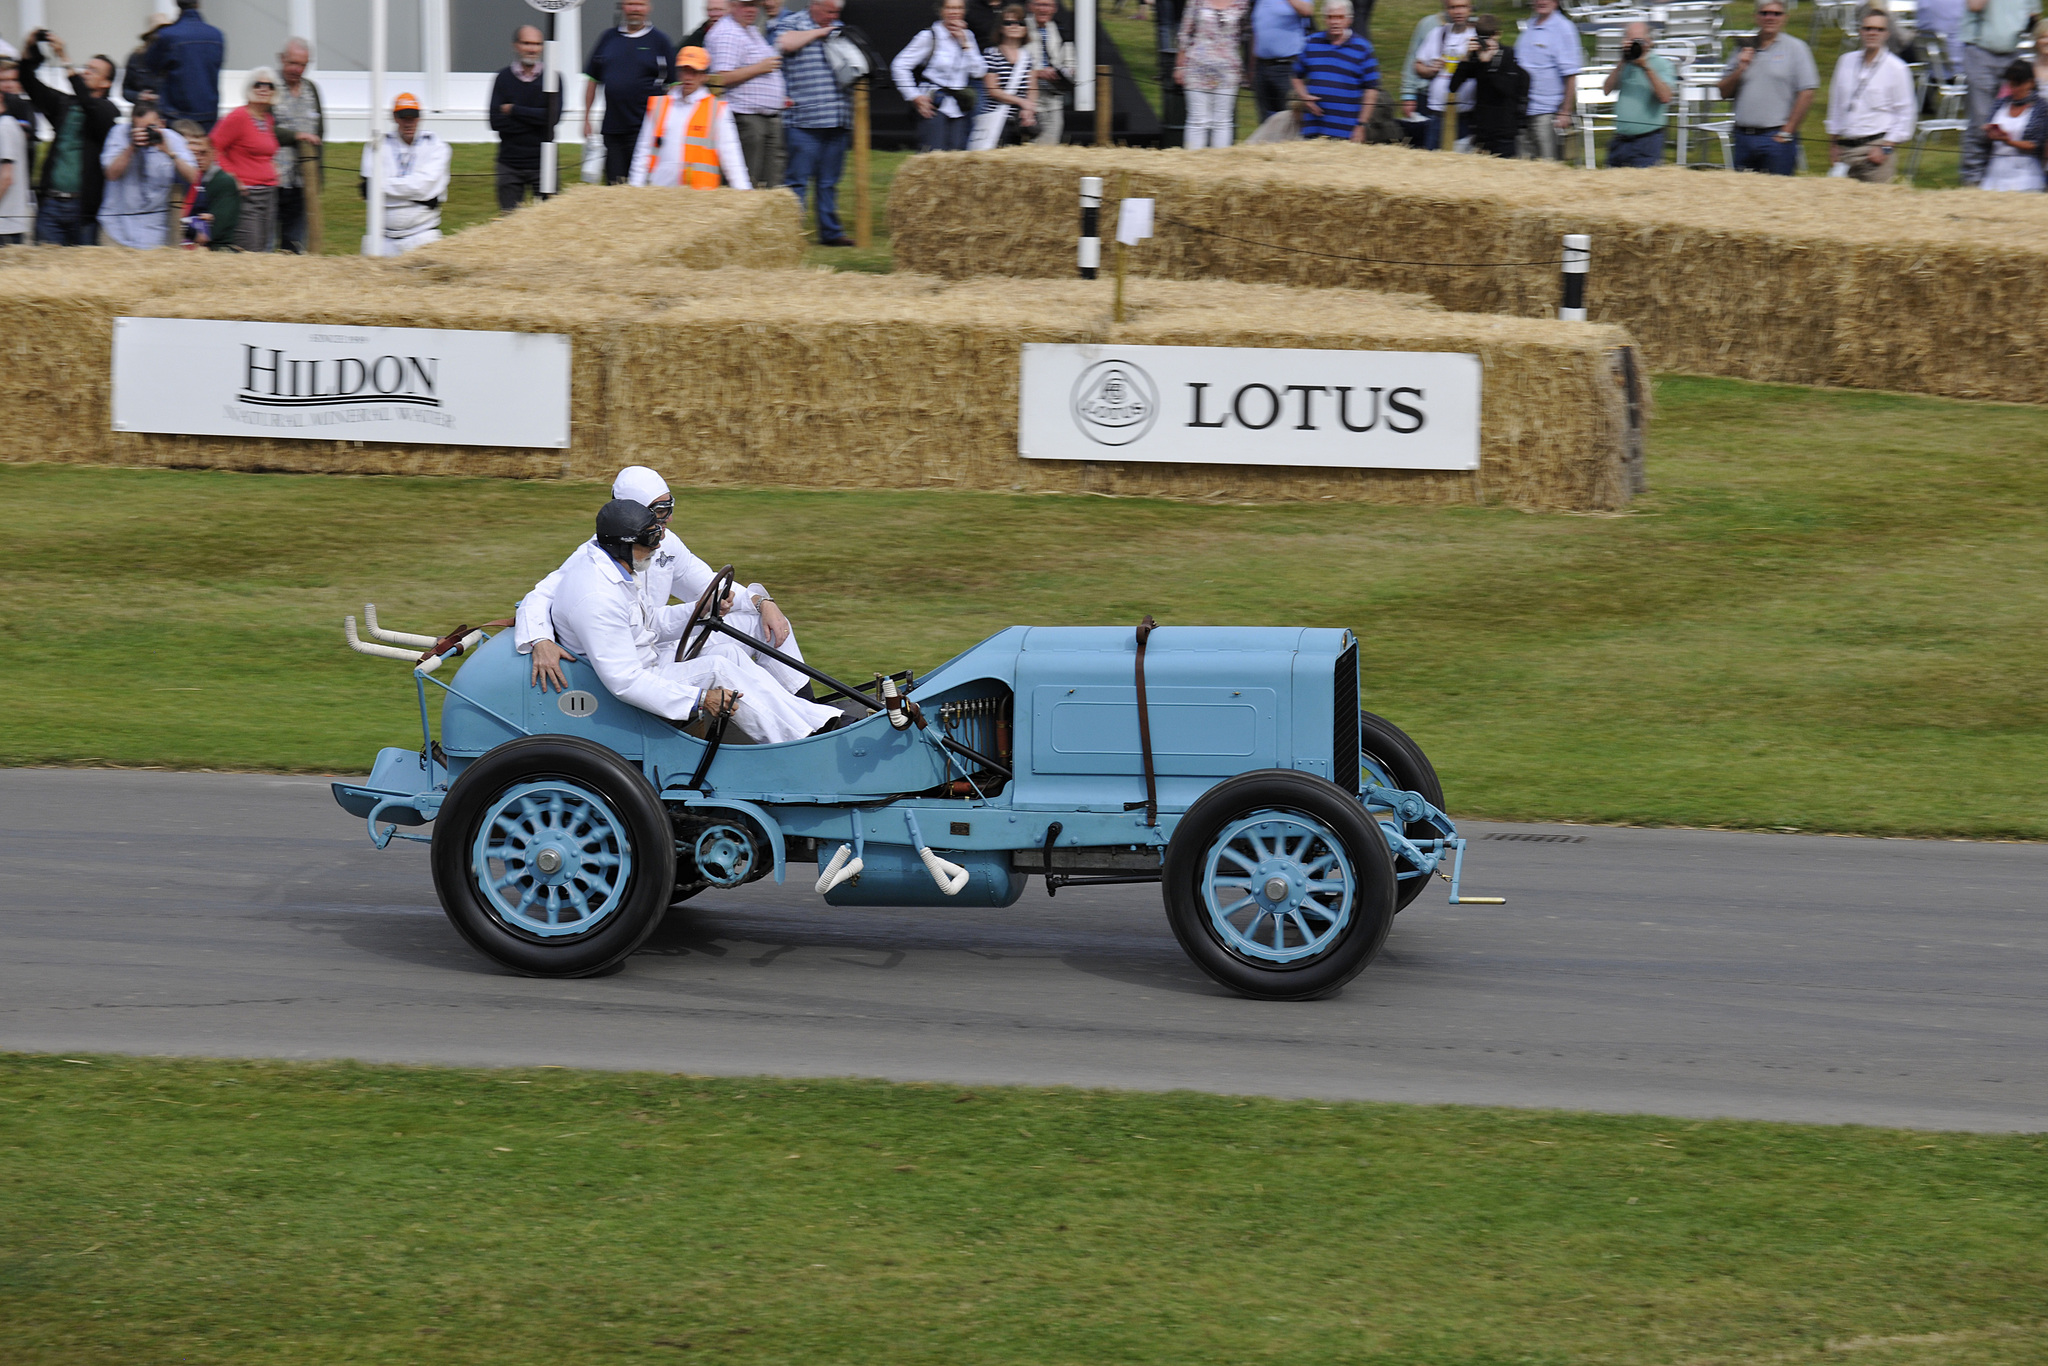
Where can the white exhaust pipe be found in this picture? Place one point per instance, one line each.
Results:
(463, 646)
(395, 637)
(357, 644)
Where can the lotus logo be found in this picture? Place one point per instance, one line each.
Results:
(1115, 402)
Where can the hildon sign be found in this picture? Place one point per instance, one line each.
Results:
(210, 377)
(1233, 405)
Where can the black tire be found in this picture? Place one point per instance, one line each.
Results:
(1389, 746)
(627, 797)
(1352, 946)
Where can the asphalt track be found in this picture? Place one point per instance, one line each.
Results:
(1691, 973)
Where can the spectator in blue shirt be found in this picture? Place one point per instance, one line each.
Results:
(1550, 51)
(1336, 78)
(632, 62)
(186, 57)
(819, 120)
(1279, 27)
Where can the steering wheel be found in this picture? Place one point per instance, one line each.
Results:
(710, 610)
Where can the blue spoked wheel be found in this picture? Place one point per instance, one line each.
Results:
(1387, 756)
(1279, 885)
(551, 858)
(554, 856)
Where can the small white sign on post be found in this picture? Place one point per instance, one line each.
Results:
(320, 382)
(1230, 405)
(1133, 221)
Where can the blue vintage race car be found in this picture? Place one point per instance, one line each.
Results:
(1231, 765)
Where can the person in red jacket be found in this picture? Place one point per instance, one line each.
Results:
(245, 145)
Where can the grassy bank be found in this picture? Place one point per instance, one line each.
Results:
(224, 1212)
(1824, 616)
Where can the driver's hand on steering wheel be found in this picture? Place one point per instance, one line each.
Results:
(547, 665)
(716, 700)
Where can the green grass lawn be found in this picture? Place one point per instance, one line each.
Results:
(1825, 615)
(226, 1212)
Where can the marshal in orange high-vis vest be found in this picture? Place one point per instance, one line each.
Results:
(700, 151)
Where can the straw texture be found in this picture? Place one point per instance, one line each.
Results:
(596, 227)
(802, 378)
(1808, 280)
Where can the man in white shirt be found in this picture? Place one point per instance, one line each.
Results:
(664, 155)
(1871, 109)
(601, 613)
(1444, 44)
(672, 571)
(415, 182)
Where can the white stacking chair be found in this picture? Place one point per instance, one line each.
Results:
(1593, 107)
(1925, 132)
(1696, 98)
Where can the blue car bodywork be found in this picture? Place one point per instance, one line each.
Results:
(1046, 775)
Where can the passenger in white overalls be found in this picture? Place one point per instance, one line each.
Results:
(672, 571)
(601, 614)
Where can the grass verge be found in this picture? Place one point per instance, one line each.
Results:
(221, 1212)
(1824, 616)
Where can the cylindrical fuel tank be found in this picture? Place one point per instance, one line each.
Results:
(893, 875)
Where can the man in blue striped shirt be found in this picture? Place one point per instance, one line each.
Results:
(1336, 78)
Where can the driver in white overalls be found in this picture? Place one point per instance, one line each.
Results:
(672, 571)
(602, 615)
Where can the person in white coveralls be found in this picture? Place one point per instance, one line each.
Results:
(415, 181)
(601, 613)
(672, 571)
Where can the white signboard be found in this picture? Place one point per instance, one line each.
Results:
(1226, 405)
(316, 381)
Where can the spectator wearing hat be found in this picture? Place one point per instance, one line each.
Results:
(301, 131)
(245, 142)
(71, 184)
(820, 117)
(522, 115)
(687, 136)
(632, 63)
(415, 181)
(1336, 78)
(186, 56)
(750, 72)
(1871, 107)
(142, 81)
(1772, 82)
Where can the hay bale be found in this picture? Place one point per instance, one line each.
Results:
(593, 227)
(1808, 280)
(847, 381)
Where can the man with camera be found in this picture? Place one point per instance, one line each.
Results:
(1644, 82)
(70, 184)
(144, 163)
(1772, 83)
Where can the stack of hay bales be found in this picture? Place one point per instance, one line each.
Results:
(797, 378)
(1809, 280)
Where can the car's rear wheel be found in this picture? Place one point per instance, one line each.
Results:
(553, 856)
(1279, 885)
(1390, 758)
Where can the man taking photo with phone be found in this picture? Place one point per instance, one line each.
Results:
(1772, 82)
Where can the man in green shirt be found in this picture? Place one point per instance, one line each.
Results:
(1645, 83)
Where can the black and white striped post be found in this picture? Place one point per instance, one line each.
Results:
(1578, 254)
(1091, 225)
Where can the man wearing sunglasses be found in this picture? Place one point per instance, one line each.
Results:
(415, 181)
(1772, 83)
(671, 571)
(1871, 108)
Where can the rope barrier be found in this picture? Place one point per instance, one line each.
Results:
(1369, 260)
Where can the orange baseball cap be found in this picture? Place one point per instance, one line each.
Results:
(406, 101)
(696, 58)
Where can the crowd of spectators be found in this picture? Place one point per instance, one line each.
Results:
(756, 99)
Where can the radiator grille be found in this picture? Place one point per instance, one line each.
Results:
(1344, 741)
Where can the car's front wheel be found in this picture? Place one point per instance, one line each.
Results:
(553, 856)
(1279, 885)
